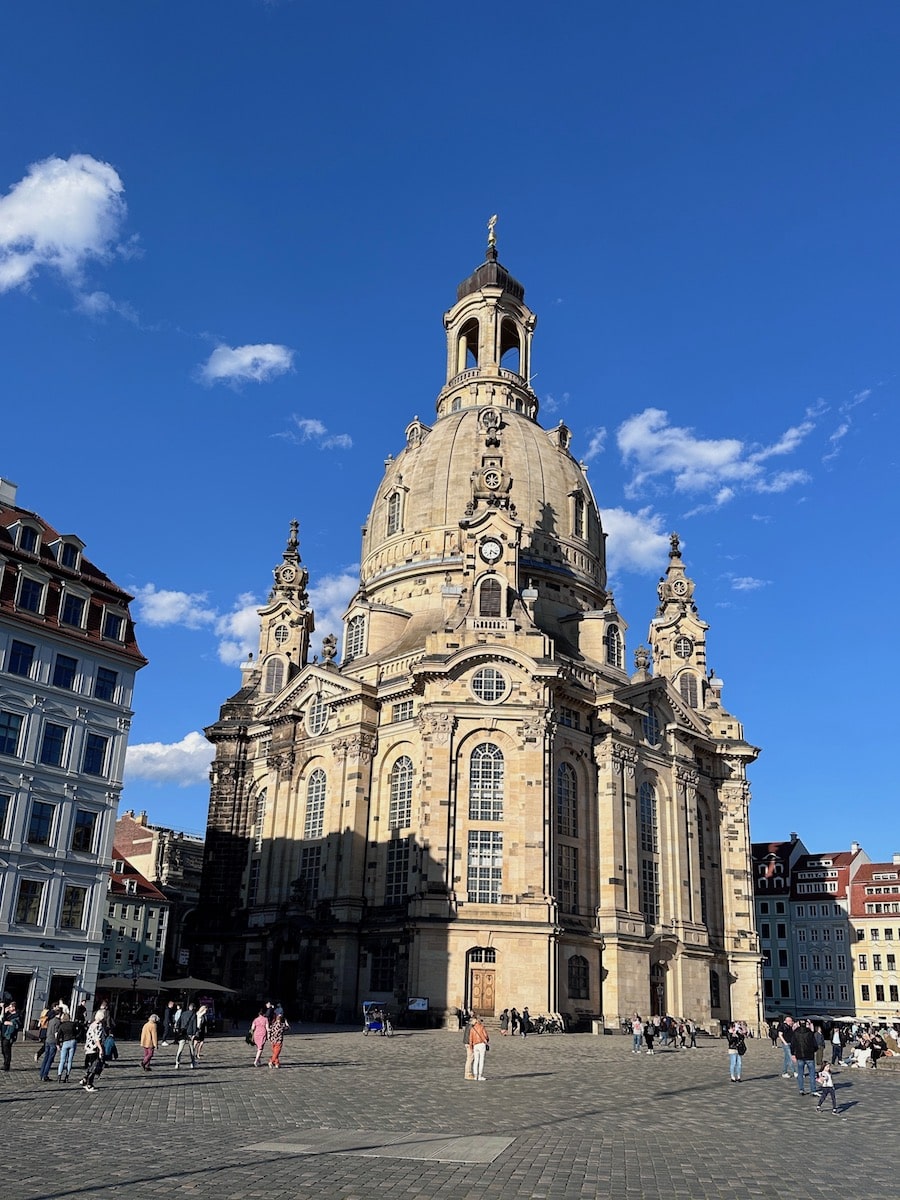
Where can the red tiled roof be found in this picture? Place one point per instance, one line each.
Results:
(103, 590)
(145, 890)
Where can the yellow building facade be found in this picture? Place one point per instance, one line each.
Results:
(478, 804)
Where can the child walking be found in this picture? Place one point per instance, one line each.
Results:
(826, 1088)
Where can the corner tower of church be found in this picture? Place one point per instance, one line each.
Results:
(474, 803)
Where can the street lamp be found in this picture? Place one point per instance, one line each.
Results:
(135, 972)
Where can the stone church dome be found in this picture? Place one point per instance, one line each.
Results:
(485, 453)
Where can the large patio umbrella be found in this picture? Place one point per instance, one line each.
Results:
(119, 983)
(190, 983)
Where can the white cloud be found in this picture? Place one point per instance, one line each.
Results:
(846, 425)
(596, 445)
(238, 631)
(311, 429)
(246, 364)
(99, 304)
(637, 540)
(165, 607)
(329, 598)
(746, 583)
(654, 450)
(62, 215)
(181, 763)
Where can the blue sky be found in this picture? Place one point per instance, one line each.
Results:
(229, 231)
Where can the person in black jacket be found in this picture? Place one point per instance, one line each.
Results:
(803, 1054)
(184, 1035)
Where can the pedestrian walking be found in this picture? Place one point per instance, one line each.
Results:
(514, 1019)
(259, 1032)
(803, 1053)
(168, 1023)
(278, 1026)
(202, 1027)
(826, 1089)
(504, 1023)
(479, 1040)
(149, 1040)
(185, 1032)
(9, 1032)
(785, 1038)
(525, 1025)
(93, 1051)
(50, 1045)
(67, 1042)
(467, 1028)
(737, 1048)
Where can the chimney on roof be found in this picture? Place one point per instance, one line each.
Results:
(8, 492)
(142, 817)
(896, 860)
(793, 838)
(854, 847)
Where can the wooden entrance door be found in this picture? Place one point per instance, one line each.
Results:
(483, 991)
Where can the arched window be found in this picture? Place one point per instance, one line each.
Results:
(393, 513)
(468, 346)
(649, 828)
(400, 812)
(316, 715)
(566, 800)
(510, 347)
(274, 680)
(260, 819)
(614, 654)
(355, 637)
(687, 685)
(578, 515)
(579, 978)
(486, 783)
(715, 993)
(650, 725)
(315, 805)
(489, 598)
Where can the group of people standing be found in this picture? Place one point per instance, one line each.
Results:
(514, 1023)
(678, 1034)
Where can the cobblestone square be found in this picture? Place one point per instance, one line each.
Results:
(356, 1117)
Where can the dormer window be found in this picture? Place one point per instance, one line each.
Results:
(578, 516)
(113, 626)
(28, 539)
(393, 514)
(31, 594)
(614, 653)
(131, 886)
(69, 555)
(72, 609)
(355, 638)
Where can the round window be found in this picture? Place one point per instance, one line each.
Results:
(489, 684)
(684, 647)
(316, 716)
(282, 633)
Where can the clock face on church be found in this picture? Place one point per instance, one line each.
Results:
(490, 550)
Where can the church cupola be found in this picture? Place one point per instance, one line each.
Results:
(677, 635)
(489, 332)
(286, 621)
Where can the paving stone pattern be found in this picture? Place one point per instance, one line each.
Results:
(571, 1116)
